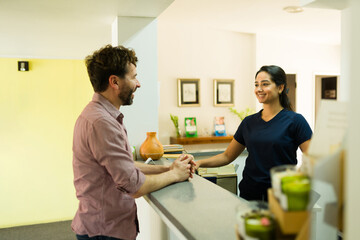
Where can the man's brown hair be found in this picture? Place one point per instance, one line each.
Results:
(108, 61)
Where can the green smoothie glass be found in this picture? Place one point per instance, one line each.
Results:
(297, 190)
(260, 225)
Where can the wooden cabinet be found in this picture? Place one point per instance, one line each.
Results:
(224, 176)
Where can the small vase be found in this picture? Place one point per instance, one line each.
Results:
(178, 132)
(151, 147)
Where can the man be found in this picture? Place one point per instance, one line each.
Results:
(106, 178)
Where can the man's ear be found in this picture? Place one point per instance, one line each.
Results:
(113, 82)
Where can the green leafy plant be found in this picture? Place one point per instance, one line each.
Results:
(175, 121)
(242, 114)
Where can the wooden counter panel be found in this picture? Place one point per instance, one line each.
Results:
(200, 140)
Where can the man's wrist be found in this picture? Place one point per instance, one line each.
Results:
(172, 176)
(165, 168)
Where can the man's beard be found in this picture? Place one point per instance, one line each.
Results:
(125, 96)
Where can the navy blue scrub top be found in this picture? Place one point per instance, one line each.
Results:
(271, 143)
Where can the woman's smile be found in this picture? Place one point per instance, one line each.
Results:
(266, 90)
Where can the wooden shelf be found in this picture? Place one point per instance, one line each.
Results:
(200, 140)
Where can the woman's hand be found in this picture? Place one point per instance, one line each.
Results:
(197, 165)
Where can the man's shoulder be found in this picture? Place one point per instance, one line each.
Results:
(94, 112)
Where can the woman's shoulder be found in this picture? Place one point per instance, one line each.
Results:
(296, 117)
(252, 116)
(291, 113)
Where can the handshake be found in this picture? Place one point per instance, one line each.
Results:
(183, 167)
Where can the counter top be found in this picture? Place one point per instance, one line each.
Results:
(197, 209)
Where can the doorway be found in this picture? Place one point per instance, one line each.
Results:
(291, 84)
(326, 87)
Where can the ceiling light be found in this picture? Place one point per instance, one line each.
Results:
(293, 9)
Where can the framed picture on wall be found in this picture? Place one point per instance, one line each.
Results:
(223, 92)
(190, 127)
(188, 92)
(219, 126)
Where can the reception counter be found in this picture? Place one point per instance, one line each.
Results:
(197, 209)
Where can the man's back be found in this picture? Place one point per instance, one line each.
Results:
(104, 173)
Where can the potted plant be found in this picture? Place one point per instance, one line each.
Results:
(175, 121)
(242, 114)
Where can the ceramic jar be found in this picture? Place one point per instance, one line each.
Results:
(151, 147)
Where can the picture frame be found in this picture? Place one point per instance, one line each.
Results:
(190, 127)
(219, 126)
(224, 92)
(188, 92)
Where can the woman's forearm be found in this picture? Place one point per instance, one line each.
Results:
(231, 153)
(215, 161)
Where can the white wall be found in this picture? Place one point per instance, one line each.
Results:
(305, 59)
(351, 62)
(201, 52)
(142, 115)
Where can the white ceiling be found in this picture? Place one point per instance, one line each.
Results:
(66, 28)
(261, 17)
(74, 28)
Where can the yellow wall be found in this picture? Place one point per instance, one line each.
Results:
(38, 110)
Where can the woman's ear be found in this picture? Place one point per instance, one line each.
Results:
(281, 88)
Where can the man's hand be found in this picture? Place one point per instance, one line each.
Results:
(180, 170)
(183, 167)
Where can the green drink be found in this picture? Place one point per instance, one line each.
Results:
(259, 225)
(297, 189)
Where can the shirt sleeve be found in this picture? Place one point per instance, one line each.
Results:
(239, 134)
(303, 131)
(109, 147)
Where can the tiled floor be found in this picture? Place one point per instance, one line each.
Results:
(47, 231)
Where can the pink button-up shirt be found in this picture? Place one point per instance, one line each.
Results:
(104, 173)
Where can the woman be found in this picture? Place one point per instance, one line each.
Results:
(271, 136)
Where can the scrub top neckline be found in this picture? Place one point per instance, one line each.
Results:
(270, 119)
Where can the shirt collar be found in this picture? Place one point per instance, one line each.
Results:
(111, 109)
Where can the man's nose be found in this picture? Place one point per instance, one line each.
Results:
(138, 83)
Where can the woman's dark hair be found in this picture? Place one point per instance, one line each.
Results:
(278, 76)
(108, 61)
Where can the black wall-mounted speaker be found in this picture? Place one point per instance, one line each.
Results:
(23, 66)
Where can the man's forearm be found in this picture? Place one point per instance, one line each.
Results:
(155, 182)
(151, 169)
(180, 170)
